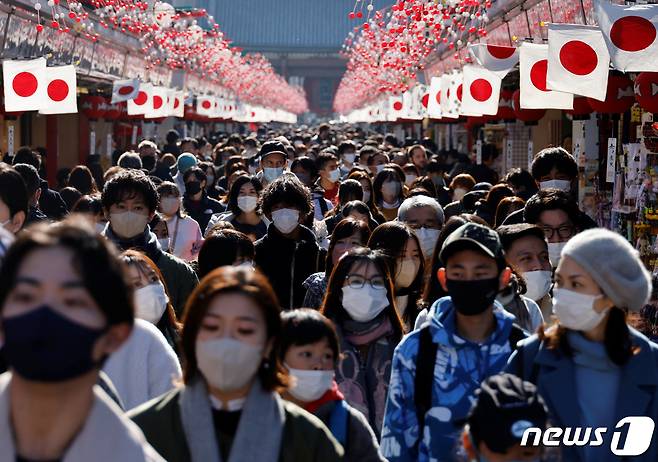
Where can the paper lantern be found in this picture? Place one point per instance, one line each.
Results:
(646, 91)
(619, 97)
(505, 106)
(580, 107)
(93, 106)
(113, 111)
(528, 116)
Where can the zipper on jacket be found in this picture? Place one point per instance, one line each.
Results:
(292, 274)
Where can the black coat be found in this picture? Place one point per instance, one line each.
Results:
(287, 263)
(51, 203)
(204, 209)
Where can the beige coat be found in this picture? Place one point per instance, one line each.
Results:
(107, 436)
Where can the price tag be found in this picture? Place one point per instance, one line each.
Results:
(610, 164)
(133, 138)
(11, 141)
(531, 153)
(508, 153)
(92, 143)
(478, 152)
(108, 145)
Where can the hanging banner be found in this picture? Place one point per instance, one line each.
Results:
(534, 92)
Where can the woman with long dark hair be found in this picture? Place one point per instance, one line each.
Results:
(400, 245)
(591, 368)
(360, 301)
(388, 191)
(368, 197)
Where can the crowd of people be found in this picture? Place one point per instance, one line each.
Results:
(312, 295)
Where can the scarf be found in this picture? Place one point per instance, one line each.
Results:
(146, 242)
(333, 394)
(259, 433)
(363, 333)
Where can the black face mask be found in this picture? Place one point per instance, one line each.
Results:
(193, 187)
(148, 162)
(44, 346)
(473, 297)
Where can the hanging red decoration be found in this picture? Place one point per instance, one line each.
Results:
(619, 97)
(112, 111)
(526, 115)
(646, 91)
(505, 106)
(93, 106)
(581, 107)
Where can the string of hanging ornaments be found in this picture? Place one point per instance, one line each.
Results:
(389, 47)
(190, 40)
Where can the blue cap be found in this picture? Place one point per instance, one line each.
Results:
(185, 162)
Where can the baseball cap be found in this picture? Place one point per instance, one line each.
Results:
(272, 147)
(475, 237)
(513, 404)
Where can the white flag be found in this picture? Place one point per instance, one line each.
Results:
(450, 101)
(141, 103)
(434, 98)
(205, 105)
(481, 91)
(578, 60)
(395, 108)
(533, 69)
(61, 85)
(24, 84)
(496, 58)
(125, 90)
(158, 107)
(630, 33)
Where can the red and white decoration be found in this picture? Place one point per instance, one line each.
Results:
(434, 98)
(205, 105)
(578, 60)
(61, 95)
(481, 91)
(158, 104)
(396, 108)
(450, 101)
(142, 102)
(534, 92)
(24, 84)
(631, 35)
(496, 58)
(125, 90)
(646, 91)
(175, 106)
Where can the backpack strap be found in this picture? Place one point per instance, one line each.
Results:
(338, 422)
(424, 379)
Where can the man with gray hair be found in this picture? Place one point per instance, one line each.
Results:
(425, 216)
(130, 160)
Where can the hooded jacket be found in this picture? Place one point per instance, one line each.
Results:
(460, 367)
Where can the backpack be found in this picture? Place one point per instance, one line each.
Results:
(338, 422)
(425, 362)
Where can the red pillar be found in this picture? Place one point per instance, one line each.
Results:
(52, 137)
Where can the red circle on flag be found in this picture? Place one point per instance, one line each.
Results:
(157, 102)
(176, 103)
(425, 100)
(397, 106)
(128, 89)
(481, 90)
(25, 84)
(58, 90)
(206, 104)
(578, 57)
(141, 98)
(460, 89)
(538, 74)
(438, 96)
(500, 52)
(632, 33)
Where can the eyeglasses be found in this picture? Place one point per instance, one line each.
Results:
(563, 231)
(357, 282)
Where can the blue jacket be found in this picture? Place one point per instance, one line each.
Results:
(553, 373)
(460, 368)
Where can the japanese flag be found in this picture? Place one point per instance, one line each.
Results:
(158, 107)
(630, 33)
(175, 100)
(496, 58)
(124, 90)
(578, 60)
(449, 100)
(481, 91)
(60, 91)
(434, 98)
(205, 105)
(24, 84)
(534, 93)
(395, 108)
(140, 104)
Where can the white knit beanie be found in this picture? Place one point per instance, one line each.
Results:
(614, 264)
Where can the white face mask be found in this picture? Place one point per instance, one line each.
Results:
(538, 283)
(407, 271)
(169, 205)
(555, 252)
(349, 158)
(428, 238)
(408, 179)
(272, 173)
(151, 302)
(575, 310)
(458, 194)
(228, 364)
(285, 220)
(366, 196)
(310, 385)
(562, 185)
(247, 203)
(334, 175)
(128, 224)
(364, 304)
(164, 244)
